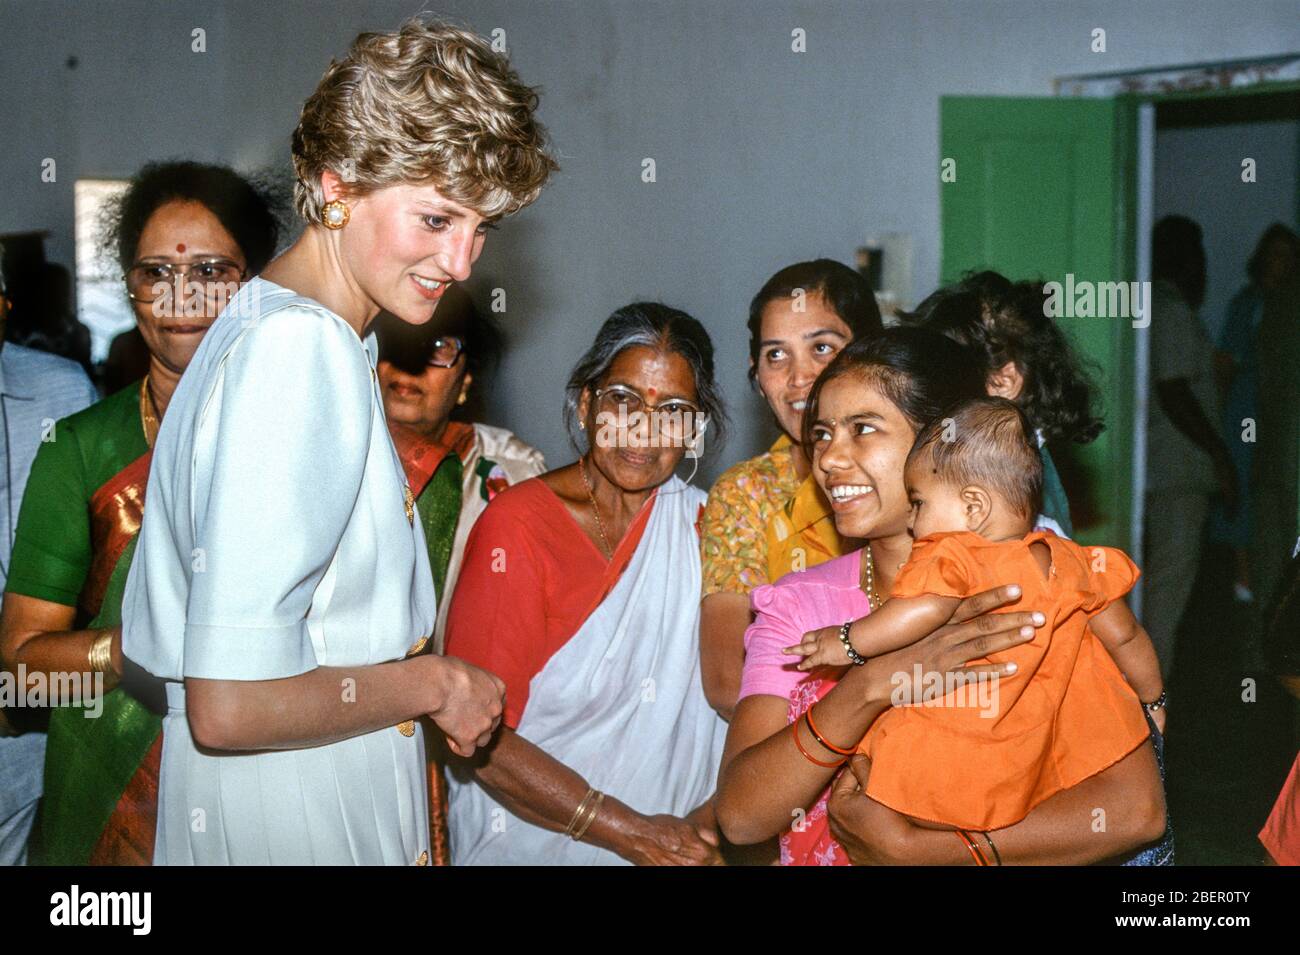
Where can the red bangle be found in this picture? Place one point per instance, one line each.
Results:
(822, 739)
(964, 836)
(808, 756)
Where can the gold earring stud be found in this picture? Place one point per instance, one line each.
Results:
(335, 215)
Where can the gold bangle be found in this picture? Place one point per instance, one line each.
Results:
(577, 813)
(591, 817)
(100, 658)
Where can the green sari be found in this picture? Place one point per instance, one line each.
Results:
(434, 473)
(73, 546)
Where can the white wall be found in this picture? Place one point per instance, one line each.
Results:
(764, 156)
(1198, 175)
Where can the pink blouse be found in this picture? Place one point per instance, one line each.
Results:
(821, 596)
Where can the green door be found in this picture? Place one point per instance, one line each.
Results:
(1043, 189)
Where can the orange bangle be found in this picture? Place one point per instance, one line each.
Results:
(964, 836)
(822, 739)
(808, 756)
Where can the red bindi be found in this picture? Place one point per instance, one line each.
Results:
(181, 247)
(652, 392)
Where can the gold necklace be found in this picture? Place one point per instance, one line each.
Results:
(148, 416)
(869, 587)
(600, 525)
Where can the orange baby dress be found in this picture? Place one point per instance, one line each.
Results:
(982, 757)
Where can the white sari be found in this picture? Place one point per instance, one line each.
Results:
(621, 704)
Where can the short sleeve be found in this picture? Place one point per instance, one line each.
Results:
(1111, 575)
(939, 566)
(280, 455)
(497, 618)
(52, 542)
(767, 669)
(733, 538)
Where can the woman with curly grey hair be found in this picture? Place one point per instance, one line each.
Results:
(578, 590)
(281, 586)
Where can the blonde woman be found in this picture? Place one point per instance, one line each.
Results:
(281, 586)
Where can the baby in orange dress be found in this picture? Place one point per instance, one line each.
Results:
(988, 751)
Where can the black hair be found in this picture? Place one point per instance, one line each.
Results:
(1275, 233)
(1005, 321)
(919, 370)
(245, 210)
(652, 325)
(410, 347)
(845, 290)
(1178, 256)
(989, 442)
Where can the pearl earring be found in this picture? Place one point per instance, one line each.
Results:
(335, 215)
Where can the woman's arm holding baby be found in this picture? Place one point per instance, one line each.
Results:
(1133, 652)
(1103, 819)
(899, 622)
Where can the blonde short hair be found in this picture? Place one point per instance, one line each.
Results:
(431, 103)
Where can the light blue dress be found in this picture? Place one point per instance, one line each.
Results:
(277, 539)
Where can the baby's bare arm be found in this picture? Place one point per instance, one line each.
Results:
(899, 622)
(1131, 649)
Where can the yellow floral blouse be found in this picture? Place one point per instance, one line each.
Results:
(802, 534)
(733, 530)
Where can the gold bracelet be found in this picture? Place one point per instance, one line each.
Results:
(577, 813)
(100, 658)
(591, 817)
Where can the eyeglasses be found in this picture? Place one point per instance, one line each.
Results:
(676, 417)
(446, 352)
(148, 281)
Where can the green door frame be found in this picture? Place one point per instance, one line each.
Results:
(1125, 251)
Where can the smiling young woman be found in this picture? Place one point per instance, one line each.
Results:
(862, 419)
(799, 320)
(290, 639)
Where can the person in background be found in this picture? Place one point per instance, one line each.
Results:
(764, 518)
(1187, 460)
(36, 389)
(42, 305)
(1027, 359)
(186, 236)
(454, 467)
(1273, 268)
(1276, 470)
(578, 591)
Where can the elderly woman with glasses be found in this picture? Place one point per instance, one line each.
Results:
(186, 236)
(579, 591)
(427, 374)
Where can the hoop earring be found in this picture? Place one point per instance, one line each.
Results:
(335, 215)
